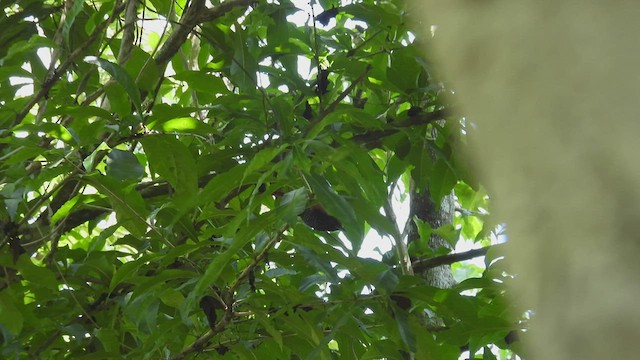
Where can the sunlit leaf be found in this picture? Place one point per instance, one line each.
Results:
(449, 233)
(184, 124)
(130, 208)
(200, 81)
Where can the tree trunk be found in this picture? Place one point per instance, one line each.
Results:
(423, 207)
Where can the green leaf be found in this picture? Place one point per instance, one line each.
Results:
(487, 354)
(91, 161)
(381, 349)
(37, 275)
(441, 181)
(348, 115)
(427, 348)
(471, 226)
(449, 233)
(145, 284)
(171, 159)
(125, 272)
(97, 243)
(424, 229)
(143, 312)
(201, 81)
(119, 101)
(109, 339)
(80, 112)
(422, 161)
(338, 207)
(143, 68)
(56, 131)
(361, 176)
(162, 6)
(293, 204)
(65, 209)
(123, 165)
(371, 214)
(475, 283)
(220, 261)
(129, 206)
(368, 270)
(22, 48)
(244, 66)
(23, 153)
(69, 18)
(261, 159)
(468, 197)
(406, 334)
(181, 125)
(404, 70)
(221, 185)
(122, 77)
(10, 315)
(370, 176)
(374, 15)
(387, 281)
(271, 330)
(171, 297)
(423, 293)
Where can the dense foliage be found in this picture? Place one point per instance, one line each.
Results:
(171, 187)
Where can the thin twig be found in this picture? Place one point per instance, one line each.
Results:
(401, 247)
(344, 94)
(202, 341)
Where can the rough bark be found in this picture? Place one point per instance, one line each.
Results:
(424, 208)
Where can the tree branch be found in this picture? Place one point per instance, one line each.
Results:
(224, 8)
(257, 260)
(370, 139)
(48, 83)
(195, 14)
(374, 138)
(424, 264)
(128, 34)
(401, 247)
(344, 94)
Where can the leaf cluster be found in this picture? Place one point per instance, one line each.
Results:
(153, 188)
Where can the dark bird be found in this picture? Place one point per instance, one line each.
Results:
(317, 218)
(209, 304)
